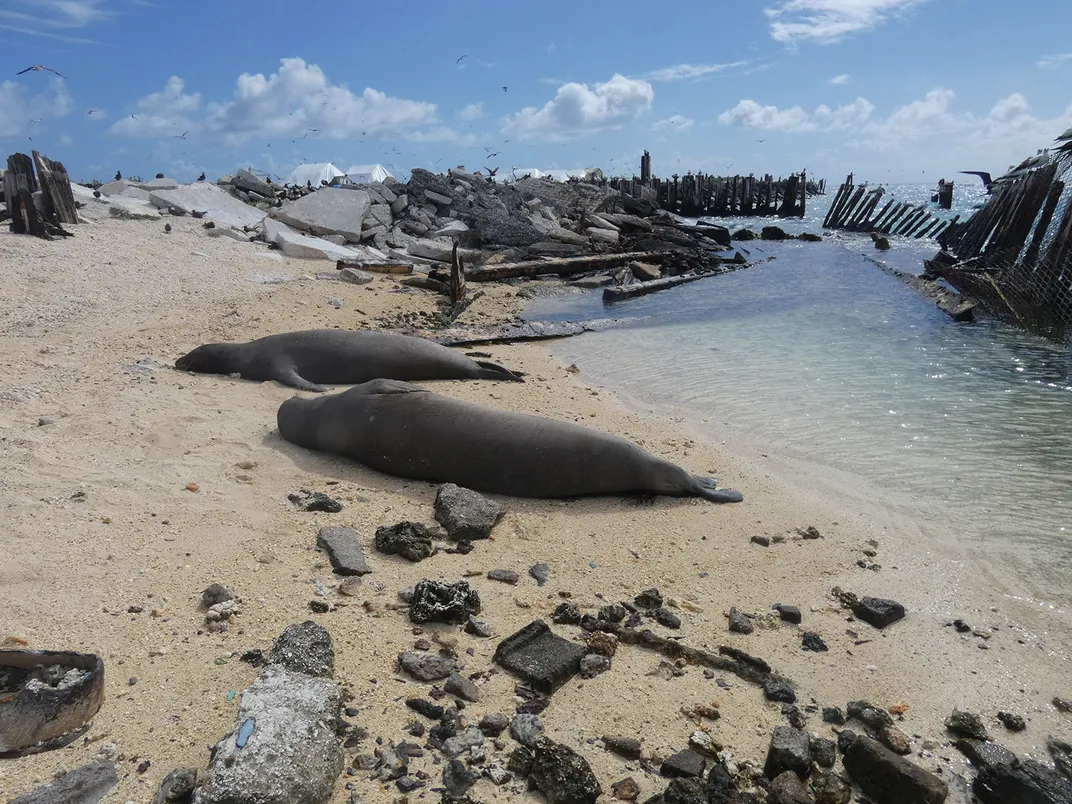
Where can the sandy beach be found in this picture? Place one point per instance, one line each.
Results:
(127, 484)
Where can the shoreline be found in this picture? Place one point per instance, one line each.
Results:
(133, 438)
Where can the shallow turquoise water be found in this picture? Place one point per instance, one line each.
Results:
(820, 357)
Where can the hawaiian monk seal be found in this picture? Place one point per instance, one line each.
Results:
(306, 359)
(404, 430)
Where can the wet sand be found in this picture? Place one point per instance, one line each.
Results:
(79, 314)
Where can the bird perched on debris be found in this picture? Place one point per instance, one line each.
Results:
(96, 193)
(1064, 137)
(201, 177)
(38, 68)
(167, 227)
(118, 176)
(196, 213)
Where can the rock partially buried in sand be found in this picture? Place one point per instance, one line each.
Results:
(47, 698)
(563, 775)
(878, 612)
(887, 777)
(540, 657)
(436, 601)
(85, 785)
(411, 540)
(465, 514)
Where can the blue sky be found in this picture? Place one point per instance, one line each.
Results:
(895, 90)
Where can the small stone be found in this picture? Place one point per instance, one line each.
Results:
(740, 623)
(778, 690)
(214, 594)
(540, 657)
(1012, 722)
(472, 737)
(878, 612)
(788, 751)
(667, 618)
(788, 789)
(874, 716)
(602, 643)
(810, 532)
(178, 786)
(626, 747)
(304, 648)
(830, 788)
(504, 576)
(426, 667)
(526, 729)
(494, 724)
(684, 791)
(520, 761)
(344, 550)
(407, 784)
(789, 614)
(541, 572)
(626, 789)
(845, 739)
(497, 774)
(319, 606)
(315, 501)
(462, 687)
(566, 614)
(795, 716)
(966, 724)
(683, 764)
(1062, 704)
(895, 740)
(833, 714)
(426, 708)
(411, 540)
(88, 783)
(254, 657)
(649, 599)
(465, 514)
(823, 751)
(477, 627)
(762, 541)
(391, 765)
(593, 664)
(614, 613)
(813, 642)
(457, 778)
(563, 775)
(351, 587)
(437, 601)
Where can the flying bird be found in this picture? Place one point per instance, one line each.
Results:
(459, 59)
(180, 136)
(489, 156)
(33, 120)
(38, 68)
(92, 111)
(982, 174)
(492, 171)
(505, 88)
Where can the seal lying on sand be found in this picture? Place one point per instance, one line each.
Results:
(404, 430)
(306, 359)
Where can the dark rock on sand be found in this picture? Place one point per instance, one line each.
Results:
(966, 724)
(411, 540)
(520, 761)
(878, 612)
(744, 234)
(541, 572)
(1023, 782)
(869, 714)
(304, 648)
(566, 614)
(777, 689)
(813, 642)
(882, 243)
(794, 715)
(683, 764)
(1012, 721)
(441, 602)
(1062, 704)
(315, 502)
(504, 576)
(214, 594)
(810, 237)
(685, 791)
(462, 687)
(177, 787)
(540, 657)
(477, 627)
(833, 714)
(983, 752)
(457, 779)
(772, 233)
(627, 747)
(85, 785)
(649, 599)
(845, 739)
(890, 779)
(788, 789)
(740, 623)
(494, 724)
(762, 541)
(1062, 755)
(424, 707)
(615, 613)
(666, 618)
(527, 729)
(788, 751)
(344, 550)
(465, 514)
(789, 614)
(823, 751)
(895, 740)
(625, 789)
(426, 666)
(563, 775)
(830, 788)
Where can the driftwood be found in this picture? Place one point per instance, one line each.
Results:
(427, 283)
(56, 199)
(562, 265)
(457, 278)
(376, 267)
(513, 332)
(644, 288)
(55, 189)
(956, 306)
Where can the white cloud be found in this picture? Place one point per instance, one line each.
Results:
(675, 124)
(161, 114)
(50, 18)
(919, 119)
(18, 107)
(474, 111)
(577, 110)
(827, 21)
(839, 80)
(1053, 62)
(685, 72)
(749, 114)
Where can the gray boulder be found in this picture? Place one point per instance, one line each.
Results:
(304, 648)
(465, 514)
(217, 205)
(889, 778)
(330, 210)
(250, 183)
(563, 775)
(85, 785)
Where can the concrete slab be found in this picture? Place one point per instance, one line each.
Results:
(114, 187)
(451, 229)
(378, 215)
(217, 205)
(330, 210)
(136, 193)
(300, 246)
(251, 183)
(158, 184)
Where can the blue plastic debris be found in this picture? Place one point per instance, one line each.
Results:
(231, 695)
(244, 732)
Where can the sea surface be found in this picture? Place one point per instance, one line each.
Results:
(825, 360)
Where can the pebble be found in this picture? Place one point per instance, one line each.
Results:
(895, 740)
(494, 724)
(526, 729)
(626, 789)
(504, 576)
(789, 614)
(1012, 722)
(777, 690)
(541, 572)
(966, 724)
(626, 747)
(214, 594)
(740, 623)
(813, 642)
(762, 541)
(477, 627)
(462, 687)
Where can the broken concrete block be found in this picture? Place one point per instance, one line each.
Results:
(437, 198)
(627, 222)
(451, 229)
(217, 205)
(400, 204)
(157, 184)
(344, 549)
(415, 228)
(85, 785)
(556, 232)
(300, 246)
(385, 192)
(227, 231)
(251, 183)
(338, 240)
(374, 232)
(355, 276)
(115, 187)
(137, 193)
(603, 235)
(330, 210)
(378, 215)
(645, 272)
(594, 220)
(540, 657)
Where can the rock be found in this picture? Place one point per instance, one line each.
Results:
(878, 612)
(845, 739)
(477, 627)
(427, 708)
(777, 689)
(721, 788)
(1062, 755)
(378, 215)
(882, 243)
(437, 601)
(304, 648)
(462, 687)
(442, 252)
(472, 737)
(407, 784)
(457, 778)
(823, 752)
(214, 594)
(810, 237)
(597, 221)
(966, 724)
(683, 764)
(603, 235)
(520, 761)
(217, 205)
(556, 232)
(789, 614)
(540, 657)
(666, 618)
(453, 228)
(1062, 704)
(400, 205)
(391, 766)
(562, 775)
(626, 789)
(813, 642)
(497, 774)
(740, 623)
(788, 751)
(1023, 782)
(234, 234)
(250, 183)
(1012, 722)
(411, 540)
(788, 789)
(355, 276)
(465, 514)
(85, 785)
(762, 541)
(627, 747)
(526, 729)
(541, 572)
(318, 606)
(344, 550)
(890, 779)
(315, 502)
(895, 740)
(628, 223)
(649, 599)
(744, 234)
(494, 724)
(504, 576)
(330, 210)
(685, 791)
(830, 788)
(593, 664)
(566, 614)
(983, 752)
(303, 247)
(602, 643)
(794, 715)
(284, 748)
(438, 198)
(177, 787)
(832, 714)
(426, 666)
(772, 233)
(870, 715)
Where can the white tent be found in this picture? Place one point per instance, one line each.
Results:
(314, 174)
(367, 174)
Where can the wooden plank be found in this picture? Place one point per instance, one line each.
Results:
(56, 190)
(388, 267)
(563, 265)
(644, 288)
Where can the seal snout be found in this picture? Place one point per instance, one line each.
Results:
(292, 421)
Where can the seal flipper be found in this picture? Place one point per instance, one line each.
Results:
(290, 376)
(705, 487)
(493, 371)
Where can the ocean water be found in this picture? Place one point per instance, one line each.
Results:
(821, 358)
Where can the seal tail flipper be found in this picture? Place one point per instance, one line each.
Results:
(706, 487)
(493, 371)
(292, 378)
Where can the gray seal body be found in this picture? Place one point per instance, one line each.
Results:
(311, 359)
(406, 431)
